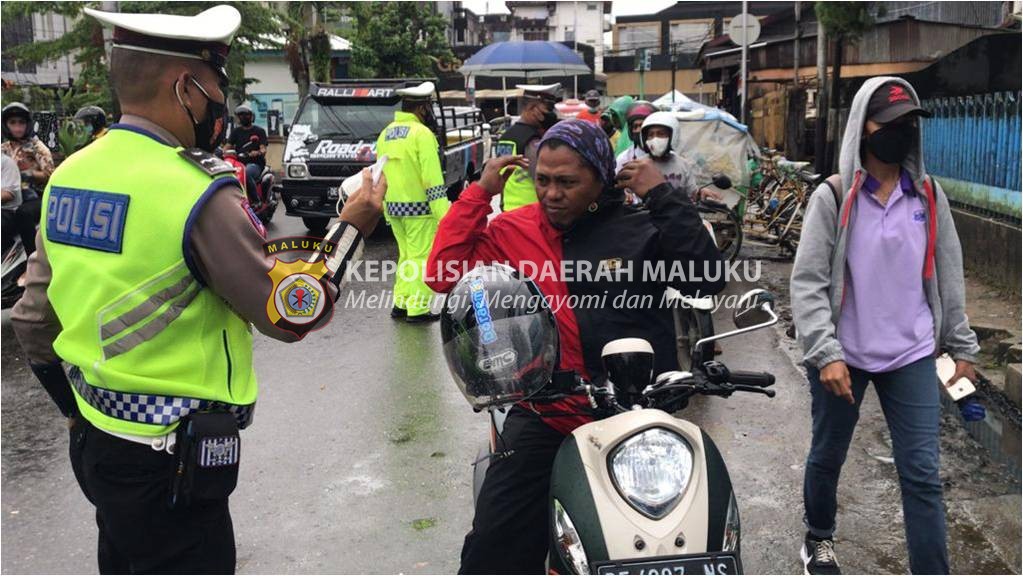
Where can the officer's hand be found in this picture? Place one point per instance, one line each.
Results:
(494, 173)
(835, 378)
(363, 208)
(640, 176)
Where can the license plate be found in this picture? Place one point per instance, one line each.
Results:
(669, 566)
(332, 193)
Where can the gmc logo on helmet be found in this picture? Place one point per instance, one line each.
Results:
(497, 362)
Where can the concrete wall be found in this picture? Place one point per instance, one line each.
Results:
(991, 249)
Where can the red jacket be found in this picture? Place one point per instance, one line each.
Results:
(668, 230)
(463, 236)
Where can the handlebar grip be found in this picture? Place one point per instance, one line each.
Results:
(744, 378)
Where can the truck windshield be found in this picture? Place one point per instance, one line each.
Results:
(348, 119)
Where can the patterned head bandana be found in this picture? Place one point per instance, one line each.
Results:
(589, 141)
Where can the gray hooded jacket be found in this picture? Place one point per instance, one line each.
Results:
(818, 275)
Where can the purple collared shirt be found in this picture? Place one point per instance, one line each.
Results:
(886, 322)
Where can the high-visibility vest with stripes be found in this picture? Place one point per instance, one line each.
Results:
(149, 342)
(415, 181)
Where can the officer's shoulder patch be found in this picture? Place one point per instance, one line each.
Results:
(206, 161)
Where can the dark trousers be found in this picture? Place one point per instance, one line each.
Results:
(252, 174)
(26, 219)
(911, 405)
(129, 483)
(510, 530)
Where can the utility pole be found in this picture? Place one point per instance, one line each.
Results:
(674, 69)
(743, 72)
(821, 128)
(795, 49)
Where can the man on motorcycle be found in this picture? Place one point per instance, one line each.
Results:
(95, 119)
(35, 163)
(658, 133)
(248, 141)
(580, 221)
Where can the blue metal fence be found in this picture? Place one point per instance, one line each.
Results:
(975, 139)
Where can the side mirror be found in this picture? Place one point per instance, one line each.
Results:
(722, 182)
(755, 307)
(629, 363)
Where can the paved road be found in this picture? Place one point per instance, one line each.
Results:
(358, 460)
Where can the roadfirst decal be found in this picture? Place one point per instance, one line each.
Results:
(361, 151)
(353, 92)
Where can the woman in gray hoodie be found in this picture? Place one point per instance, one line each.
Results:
(877, 291)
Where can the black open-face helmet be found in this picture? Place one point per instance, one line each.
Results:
(12, 110)
(93, 116)
(500, 337)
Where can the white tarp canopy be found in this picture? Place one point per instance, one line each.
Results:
(681, 102)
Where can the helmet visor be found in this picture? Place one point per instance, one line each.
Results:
(505, 361)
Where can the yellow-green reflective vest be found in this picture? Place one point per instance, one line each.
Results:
(415, 181)
(148, 341)
(519, 190)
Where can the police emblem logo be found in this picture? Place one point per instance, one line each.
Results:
(219, 451)
(298, 298)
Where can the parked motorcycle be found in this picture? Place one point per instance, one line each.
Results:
(637, 491)
(14, 264)
(262, 199)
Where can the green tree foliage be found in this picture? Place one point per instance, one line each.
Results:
(85, 41)
(848, 20)
(397, 40)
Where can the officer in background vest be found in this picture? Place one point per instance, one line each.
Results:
(149, 274)
(416, 197)
(536, 116)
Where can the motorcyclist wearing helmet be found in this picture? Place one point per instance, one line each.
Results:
(582, 222)
(95, 119)
(593, 110)
(248, 139)
(35, 163)
(634, 118)
(659, 134)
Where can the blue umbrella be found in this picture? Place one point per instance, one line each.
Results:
(532, 58)
(529, 58)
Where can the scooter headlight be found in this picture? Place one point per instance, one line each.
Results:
(730, 543)
(652, 470)
(569, 544)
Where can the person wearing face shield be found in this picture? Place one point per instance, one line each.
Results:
(877, 292)
(94, 119)
(148, 277)
(416, 199)
(536, 116)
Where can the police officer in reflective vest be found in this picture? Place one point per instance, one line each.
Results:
(536, 115)
(416, 197)
(149, 275)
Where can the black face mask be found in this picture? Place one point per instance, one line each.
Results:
(245, 120)
(892, 142)
(209, 134)
(550, 118)
(429, 120)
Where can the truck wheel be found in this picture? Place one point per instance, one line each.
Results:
(316, 225)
